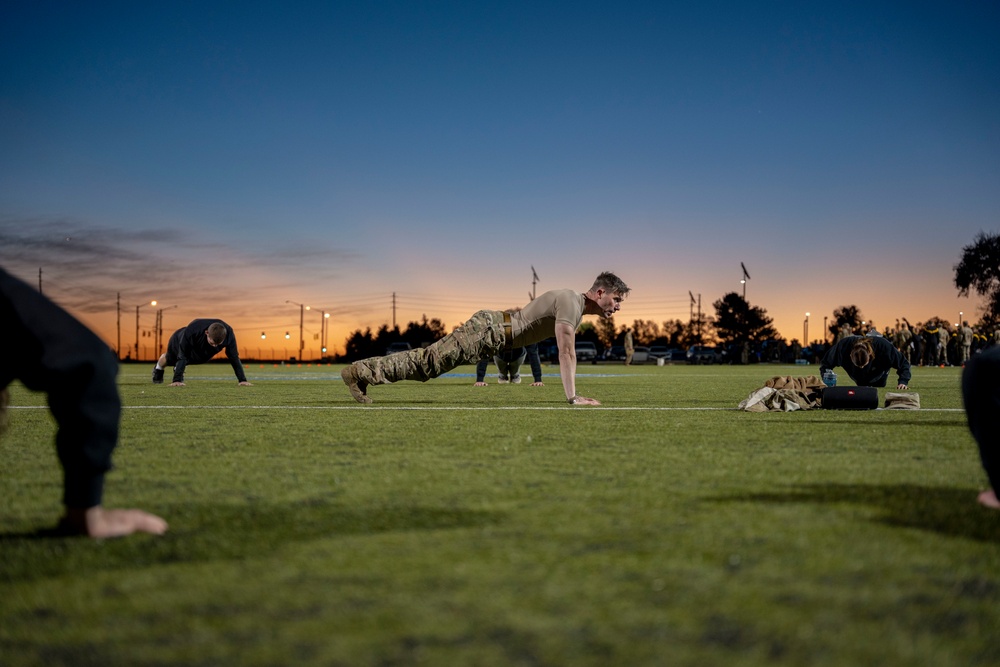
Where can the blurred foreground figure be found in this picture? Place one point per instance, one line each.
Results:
(981, 393)
(48, 350)
(491, 332)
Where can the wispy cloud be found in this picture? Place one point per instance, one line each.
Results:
(84, 266)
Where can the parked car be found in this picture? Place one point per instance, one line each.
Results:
(677, 356)
(701, 354)
(659, 352)
(722, 355)
(585, 350)
(398, 347)
(616, 353)
(640, 355)
(548, 350)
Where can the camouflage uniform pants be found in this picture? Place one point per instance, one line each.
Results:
(479, 338)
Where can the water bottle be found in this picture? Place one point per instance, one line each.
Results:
(829, 378)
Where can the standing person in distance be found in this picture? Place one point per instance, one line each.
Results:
(50, 351)
(555, 313)
(197, 343)
(629, 346)
(966, 337)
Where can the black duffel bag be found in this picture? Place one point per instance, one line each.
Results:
(850, 398)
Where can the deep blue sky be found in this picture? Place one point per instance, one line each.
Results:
(229, 157)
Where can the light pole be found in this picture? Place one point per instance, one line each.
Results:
(826, 332)
(159, 328)
(324, 330)
(805, 332)
(152, 303)
(302, 319)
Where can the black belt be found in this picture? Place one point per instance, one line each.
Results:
(508, 334)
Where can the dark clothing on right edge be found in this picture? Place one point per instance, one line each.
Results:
(189, 345)
(48, 350)
(981, 394)
(877, 370)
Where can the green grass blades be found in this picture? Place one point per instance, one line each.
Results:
(448, 524)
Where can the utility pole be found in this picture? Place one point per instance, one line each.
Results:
(699, 318)
(302, 320)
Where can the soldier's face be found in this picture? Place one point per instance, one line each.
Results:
(609, 302)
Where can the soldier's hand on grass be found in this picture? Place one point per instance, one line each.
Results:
(98, 522)
(177, 384)
(901, 386)
(538, 384)
(583, 400)
(479, 384)
(245, 384)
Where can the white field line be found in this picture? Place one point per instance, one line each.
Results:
(444, 408)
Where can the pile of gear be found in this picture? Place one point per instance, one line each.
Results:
(784, 393)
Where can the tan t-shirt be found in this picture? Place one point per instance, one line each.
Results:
(537, 321)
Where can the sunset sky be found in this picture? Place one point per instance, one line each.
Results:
(227, 158)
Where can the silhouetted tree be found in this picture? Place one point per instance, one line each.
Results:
(979, 270)
(850, 315)
(645, 332)
(359, 345)
(736, 321)
(425, 331)
(606, 332)
(588, 332)
(674, 333)
(363, 345)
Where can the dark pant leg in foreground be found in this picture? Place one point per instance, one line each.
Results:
(981, 394)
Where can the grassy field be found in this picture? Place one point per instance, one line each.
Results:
(454, 525)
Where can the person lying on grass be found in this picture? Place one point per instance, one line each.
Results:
(490, 332)
(981, 395)
(51, 351)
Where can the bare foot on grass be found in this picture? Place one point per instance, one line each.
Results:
(98, 522)
(988, 498)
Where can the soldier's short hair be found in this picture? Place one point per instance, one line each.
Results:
(217, 332)
(611, 283)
